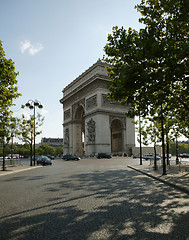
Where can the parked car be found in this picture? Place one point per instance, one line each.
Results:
(104, 155)
(151, 156)
(43, 160)
(184, 155)
(50, 156)
(68, 157)
(136, 155)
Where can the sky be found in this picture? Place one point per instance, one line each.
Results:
(52, 42)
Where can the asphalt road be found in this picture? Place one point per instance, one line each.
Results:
(90, 199)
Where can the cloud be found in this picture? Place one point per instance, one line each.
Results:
(31, 48)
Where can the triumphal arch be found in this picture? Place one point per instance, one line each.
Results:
(93, 123)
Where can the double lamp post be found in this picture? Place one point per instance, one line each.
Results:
(32, 105)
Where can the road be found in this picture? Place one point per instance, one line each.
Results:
(90, 199)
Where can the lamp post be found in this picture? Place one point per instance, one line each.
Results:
(32, 105)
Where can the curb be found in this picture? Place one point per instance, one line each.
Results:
(16, 171)
(171, 184)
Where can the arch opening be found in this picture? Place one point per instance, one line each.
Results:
(116, 136)
(79, 133)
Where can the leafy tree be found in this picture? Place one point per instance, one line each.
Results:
(149, 68)
(183, 148)
(7, 131)
(26, 130)
(59, 151)
(8, 93)
(45, 150)
(24, 150)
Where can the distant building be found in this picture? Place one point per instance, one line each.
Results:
(53, 142)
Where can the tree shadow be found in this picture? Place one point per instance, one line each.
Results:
(113, 204)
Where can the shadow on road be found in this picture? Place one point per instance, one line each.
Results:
(113, 204)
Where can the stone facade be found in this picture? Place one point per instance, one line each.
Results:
(90, 117)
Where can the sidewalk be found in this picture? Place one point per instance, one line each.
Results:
(176, 177)
(16, 168)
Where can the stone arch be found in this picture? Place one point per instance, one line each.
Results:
(90, 113)
(117, 135)
(79, 112)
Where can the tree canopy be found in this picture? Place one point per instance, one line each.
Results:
(149, 68)
(8, 81)
(8, 92)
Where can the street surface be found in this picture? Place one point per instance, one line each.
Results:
(90, 199)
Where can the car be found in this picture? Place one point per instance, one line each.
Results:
(68, 157)
(136, 155)
(104, 155)
(43, 160)
(151, 156)
(50, 156)
(184, 155)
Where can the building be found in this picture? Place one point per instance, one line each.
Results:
(53, 142)
(90, 117)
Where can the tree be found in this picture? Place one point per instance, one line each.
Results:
(8, 92)
(45, 150)
(7, 131)
(24, 150)
(26, 130)
(149, 68)
(58, 151)
(167, 27)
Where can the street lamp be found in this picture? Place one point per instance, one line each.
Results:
(32, 105)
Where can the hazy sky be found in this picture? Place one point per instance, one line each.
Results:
(52, 42)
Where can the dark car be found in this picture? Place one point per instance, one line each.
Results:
(104, 155)
(70, 157)
(184, 155)
(151, 157)
(43, 160)
(51, 157)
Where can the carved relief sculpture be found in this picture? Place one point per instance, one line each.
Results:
(67, 114)
(66, 137)
(91, 127)
(91, 102)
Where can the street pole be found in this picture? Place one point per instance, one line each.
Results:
(34, 137)
(32, 104)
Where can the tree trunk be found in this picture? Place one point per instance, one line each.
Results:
(155, 159)
(140, 140)
(167, 141)
(3, 167)
(163, 142)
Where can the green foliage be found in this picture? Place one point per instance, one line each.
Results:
(58, 151)
(24, 150)
(8, 92)
(149, 68)
(8, 88)
(45, 150)
(183, 148)
(26, 128)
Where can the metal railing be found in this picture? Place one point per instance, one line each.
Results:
(183, 164)
(11, 162)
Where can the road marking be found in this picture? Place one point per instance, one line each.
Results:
(16, 171)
